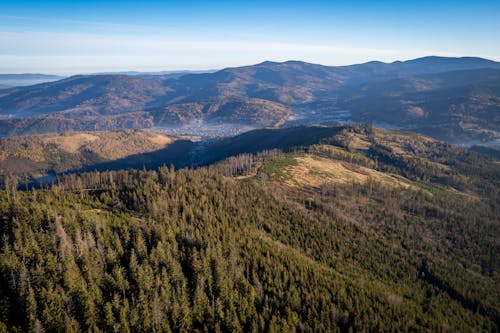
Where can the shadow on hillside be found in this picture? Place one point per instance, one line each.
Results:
(266, 139)
(176, 154)
(185, 153)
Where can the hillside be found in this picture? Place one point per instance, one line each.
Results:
(36, 156)
(33, 157)
(454, 106)
(102, 94)
(346, 229)
(454, 99)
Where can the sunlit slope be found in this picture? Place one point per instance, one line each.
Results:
(37, 155)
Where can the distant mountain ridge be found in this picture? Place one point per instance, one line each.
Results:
(430, 64)
(270, 94)
(26, 79)
(27, 76)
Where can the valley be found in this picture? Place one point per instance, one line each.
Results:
(202, 130)
(452, 99)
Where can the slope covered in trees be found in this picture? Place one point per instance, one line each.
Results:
(242, 245)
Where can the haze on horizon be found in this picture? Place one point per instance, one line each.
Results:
(61, 37)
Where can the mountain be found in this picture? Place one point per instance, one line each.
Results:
(427, 82)
(346, 228)
(102, 102)
(459, 95)
(424, 65)
(456, 106)
(100, 94)
(433, 64)
(295, 82)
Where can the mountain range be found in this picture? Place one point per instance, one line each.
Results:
(454, 99)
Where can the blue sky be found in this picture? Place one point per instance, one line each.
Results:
(93, 36)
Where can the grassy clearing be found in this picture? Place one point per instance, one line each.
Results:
(70, 142)
(277, 167)
(313, 171)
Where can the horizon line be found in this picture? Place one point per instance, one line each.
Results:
(163, 71)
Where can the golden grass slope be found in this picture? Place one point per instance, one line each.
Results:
(120, 144)
(312, 171)
(108, 145)
(39, 154)
(70, 142)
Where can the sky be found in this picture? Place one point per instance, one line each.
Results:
(70, 37)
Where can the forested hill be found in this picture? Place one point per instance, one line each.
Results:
(364, 230)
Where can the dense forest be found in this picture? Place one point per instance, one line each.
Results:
(406, 240)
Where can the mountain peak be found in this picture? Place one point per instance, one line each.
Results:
(267, 62)
(278, 63)
(441, 59)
